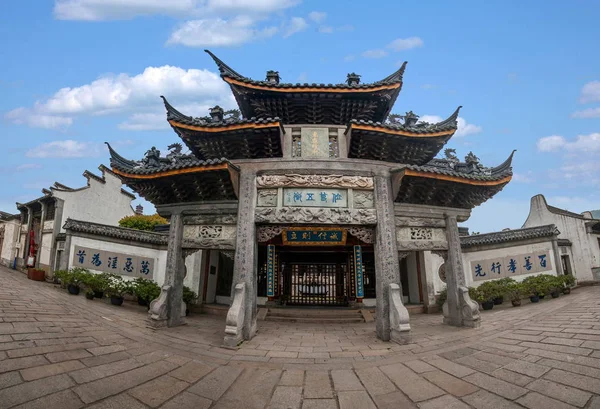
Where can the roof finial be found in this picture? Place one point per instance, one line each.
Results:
(273, 77)
(353, 79)
(216, 114)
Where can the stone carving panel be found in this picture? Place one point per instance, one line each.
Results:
(267, 198)
(415, 238)
(210, 232)
(363, 199)
(316, 215)
(293, 180)
(210, 219)
(421, 233)
(266, 233)
(419, 222)
(364, 234)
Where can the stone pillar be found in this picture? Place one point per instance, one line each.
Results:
(387, 266)
(459, 310)
(244, 267)
(40, 235)
(168, 309)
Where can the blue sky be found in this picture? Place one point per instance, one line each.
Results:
(76, 73)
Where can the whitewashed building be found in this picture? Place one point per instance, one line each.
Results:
(102, 200)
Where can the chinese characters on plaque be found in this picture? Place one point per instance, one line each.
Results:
(313, 237)
(315, 142)
(110, 262)
(270, 270)
(358, 270)
(511, 266)
(317, 197)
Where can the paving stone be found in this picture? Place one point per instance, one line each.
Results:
(5, 346)
(512, 377)
(485, 400)
(450, 384)
(375, 381)
(245, 391)
(10, 379)
(558, 348)
(483, 366)
(158, 391)
(67, 355)
(31, 374)
(493, 358)
(187, 400)
(286, 397)
(577, 381)
(394, 400)
(561, 392)
(345, 380)
(292, 378)
(106, 349)
(443, 402)
(17, 353)
(419, 366)
(122, 401)
(319, 404)
(192, 371)
(63, 400)
(451, 367)
(591, 344)
(495, 385)
(102, 371)
(521, 337)
(216, 383)
(527, 368)
(457, 353)
(411, 384)
(563, 341)
(594, 403)
(20, 363)
(532, 358)
(355, 400)
(579, 369)
(27, 391)
(317, 385)
(534, 400)
(112, 385)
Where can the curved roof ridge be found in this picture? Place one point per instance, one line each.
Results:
(525, 233)
(504, 166)
(115, 158)
(396, 76)
(173, 113)
(224, 69)
(451, 120)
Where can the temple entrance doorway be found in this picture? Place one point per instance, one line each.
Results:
(411, 278)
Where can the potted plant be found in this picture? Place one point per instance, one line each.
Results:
(555, 285)
(60, 277)
(568, 283)
(503, 286)
(515, 291)
(188, 297)
(488, 291)
(89, 294)
(145, 290)
(536, 287)
(441, 298)
(115, 290)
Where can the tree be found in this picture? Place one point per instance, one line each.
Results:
(142, 221)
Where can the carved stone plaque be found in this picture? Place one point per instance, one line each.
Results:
(315, 215)
(363, 199)
(293, 180)
(313, 197)
(315, 142)
(267, 198)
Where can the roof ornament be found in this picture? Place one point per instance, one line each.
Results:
(450, 155)
(273, 77)
(473, 165)
(353, 79)
(410, 119)
(151, 158)
(216, 114)
(174, 152)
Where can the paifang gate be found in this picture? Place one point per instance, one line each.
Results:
(316, 266)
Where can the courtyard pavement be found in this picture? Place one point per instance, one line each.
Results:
(63, 351)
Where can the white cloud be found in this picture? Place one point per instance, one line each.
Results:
(587, 113)
(145, 122)
(295, 25)
(523, 178)
(582, 144)
(401, 44)
(122, 93)
(590, 92)
(464, 128)
(326, 29)
(349, 57)
(94, 10)
(317, 16)
(219, 32)
(65, 149)
(26, 166)
(377, 53)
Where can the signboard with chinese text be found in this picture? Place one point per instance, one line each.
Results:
(511, 266)
(318, 236)
(315, 142)
(359, 273)
(111, 262)
(270, 270)
(315, 197)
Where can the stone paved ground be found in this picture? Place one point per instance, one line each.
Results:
(62, 351)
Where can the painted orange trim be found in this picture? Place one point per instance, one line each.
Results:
(457, 179)
(402, 133)
(172, 172)
(231, 81)
(223, 128)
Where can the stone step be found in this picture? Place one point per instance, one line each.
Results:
(317, 320)
(310, 315)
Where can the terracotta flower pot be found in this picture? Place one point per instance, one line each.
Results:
(36, 275)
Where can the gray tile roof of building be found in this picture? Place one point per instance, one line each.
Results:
(505, 236)
(227, 71)
(449, 123)
(115, 232)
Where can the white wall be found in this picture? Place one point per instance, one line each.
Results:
(100, 203)
(212, 278)
(432, 265)
(467, 257)
(7, 252)
(159, 256)
(45, 249)
(585, 249)
(193, 264)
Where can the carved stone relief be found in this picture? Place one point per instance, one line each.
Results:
(442, 272)
(418, 234)
(364, 234)
(358, 182)
(210, 219)
(266, 233)
(315, 215)
(442, 253)
(267, 198)
(421, 233)
(229, 254)
(214, 244)
(226, 232)
(210, 232)
(419, 222)
(363, 199)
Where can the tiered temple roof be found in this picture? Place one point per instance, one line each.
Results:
(267, 106)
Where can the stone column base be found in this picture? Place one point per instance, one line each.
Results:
(399, 318)
(467, 311)
(158, 314)
(234, 324)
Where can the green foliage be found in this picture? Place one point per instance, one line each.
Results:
(145, 289)
(476, 295)
(490, 290)
(61, 276)
(568, 280)
(188, 295)
(142, 222)
(117, 287)
(515, 291)
(542, 284)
